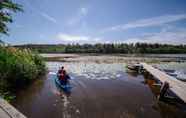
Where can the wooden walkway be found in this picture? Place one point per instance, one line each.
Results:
(8, 111)
(176, 86)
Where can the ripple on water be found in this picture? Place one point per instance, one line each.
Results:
(90, 70)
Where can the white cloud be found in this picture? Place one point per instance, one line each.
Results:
(77, 39)
(72, 38)
(81, 13)
(50, 18)
(154, 21)
(178, 37)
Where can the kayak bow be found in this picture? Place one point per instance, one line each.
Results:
(64, 87)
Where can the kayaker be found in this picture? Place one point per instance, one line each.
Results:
(60, 71)
(62, 75)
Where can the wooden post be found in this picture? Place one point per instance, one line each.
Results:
(163, 90)
(140, 69)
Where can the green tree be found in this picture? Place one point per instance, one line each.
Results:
(7, 7)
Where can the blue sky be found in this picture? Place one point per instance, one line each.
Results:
(99, 21)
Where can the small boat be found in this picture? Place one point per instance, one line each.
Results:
(181, 77)
(173, 74)
(169, 70)
(178, 75)
(134, 67)
(65, 87)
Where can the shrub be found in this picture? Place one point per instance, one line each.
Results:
(18, 68)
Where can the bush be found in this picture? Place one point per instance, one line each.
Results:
(18, 68)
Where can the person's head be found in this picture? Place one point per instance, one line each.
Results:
(62, 67)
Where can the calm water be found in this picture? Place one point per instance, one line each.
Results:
(99, 90)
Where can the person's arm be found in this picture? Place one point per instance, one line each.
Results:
(67, 76)
(58, 73)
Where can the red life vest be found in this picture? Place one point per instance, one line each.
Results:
(62, 75)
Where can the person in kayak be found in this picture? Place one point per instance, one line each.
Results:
(63, 76)
(60, 71)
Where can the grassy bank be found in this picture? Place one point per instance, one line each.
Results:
(18, 68)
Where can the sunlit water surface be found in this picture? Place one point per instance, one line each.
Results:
(99, 90)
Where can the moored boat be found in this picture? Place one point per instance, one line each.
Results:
(134, 67)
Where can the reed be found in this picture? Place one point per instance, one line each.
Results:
(18, 68)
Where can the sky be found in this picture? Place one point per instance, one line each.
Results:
(98, 21)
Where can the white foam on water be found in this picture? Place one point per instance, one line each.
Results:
(65, 106)
(52, 73)
(91, 70)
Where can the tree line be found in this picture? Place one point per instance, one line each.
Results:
(137, 48)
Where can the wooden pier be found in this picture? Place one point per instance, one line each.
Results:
(8, 111)
(176, 86)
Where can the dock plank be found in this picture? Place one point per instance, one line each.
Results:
(176, 86)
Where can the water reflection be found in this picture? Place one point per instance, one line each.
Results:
(62, 92)
(132, 73)
(169, 107)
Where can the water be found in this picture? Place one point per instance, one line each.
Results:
(180, 67)
(100, 90)
(122, 55)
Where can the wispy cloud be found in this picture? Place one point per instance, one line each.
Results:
(81, 13)
(177, 37)
(41, 13)
(42, 36)
(149, 22)
(18, 26)
(67, 38)
(49, 18)
(72, 38)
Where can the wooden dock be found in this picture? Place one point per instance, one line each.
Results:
(8, 111)
(176, 86)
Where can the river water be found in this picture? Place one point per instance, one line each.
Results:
(99, 90)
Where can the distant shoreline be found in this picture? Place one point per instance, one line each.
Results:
(107, 48)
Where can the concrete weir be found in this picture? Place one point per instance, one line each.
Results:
(8, 111)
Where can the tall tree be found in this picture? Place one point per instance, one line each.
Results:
(7, 7)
